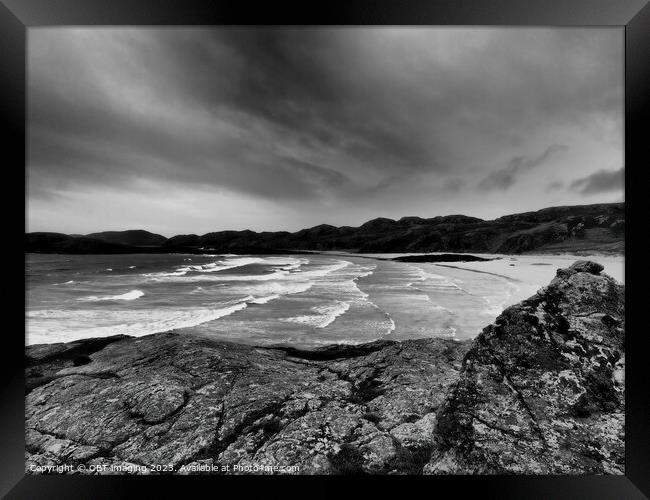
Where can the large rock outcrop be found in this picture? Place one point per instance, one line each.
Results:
(177, 399)
(540, 391)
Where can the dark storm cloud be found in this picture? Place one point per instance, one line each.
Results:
(603, 181)
(505, 178)
(308, 114)
(292, 87)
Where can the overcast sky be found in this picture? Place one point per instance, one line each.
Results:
(190, 130)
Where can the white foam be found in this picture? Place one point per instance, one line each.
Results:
(282, 261)
(66, 283)
(210, 267)
(213, 267)
(132, 295)
(325, 270)
(436, 280)
(182, 276)
(45, 326)
(339, 282)
(391, 328)
(496, 304)
(264, 300)
(325, 315)
(277, 288)
(294, 266)
(161, 275)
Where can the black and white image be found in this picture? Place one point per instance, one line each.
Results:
(325, 250)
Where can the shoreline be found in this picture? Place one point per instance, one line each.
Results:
(398, 407)
(527, 275)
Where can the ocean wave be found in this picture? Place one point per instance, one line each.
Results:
(432, 281)
(210, 267)
(496, 305)
(294, 266)
(132, 295)
(285, 276)
(285, 269)
(196, 272)
(283, 261)
(164, 275)
(438, 279)
(365, 271)
(265, 289)
(221, 265)
(325, 270)
(46, 326)
(264, 300)
(391, 327)
(338, 282)
(182, 276)
(325, 315)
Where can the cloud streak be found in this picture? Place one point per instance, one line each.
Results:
(505, 178)
(603, 181)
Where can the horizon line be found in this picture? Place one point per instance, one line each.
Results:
(326, 224)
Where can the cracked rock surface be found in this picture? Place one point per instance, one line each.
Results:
(540, 391)
(177, 399)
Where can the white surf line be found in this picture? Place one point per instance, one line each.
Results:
(480, 272)
(366, 297)
(392, 326)
(423, 276)
(354, 255)
(132, 295)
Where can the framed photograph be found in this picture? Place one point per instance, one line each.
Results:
(352, 240)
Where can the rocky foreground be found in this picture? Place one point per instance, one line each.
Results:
(541, 391)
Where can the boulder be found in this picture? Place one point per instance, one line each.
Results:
(542, 389)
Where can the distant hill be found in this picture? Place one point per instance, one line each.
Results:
(569, 229)
(134, 237)
(63, 243)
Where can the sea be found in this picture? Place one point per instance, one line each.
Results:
(303, 300)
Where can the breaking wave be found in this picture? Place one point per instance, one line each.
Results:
(283, 267)
(323, 315)
(132, 295)
(135, 323)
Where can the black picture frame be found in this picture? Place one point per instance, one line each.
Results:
(17, 16)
